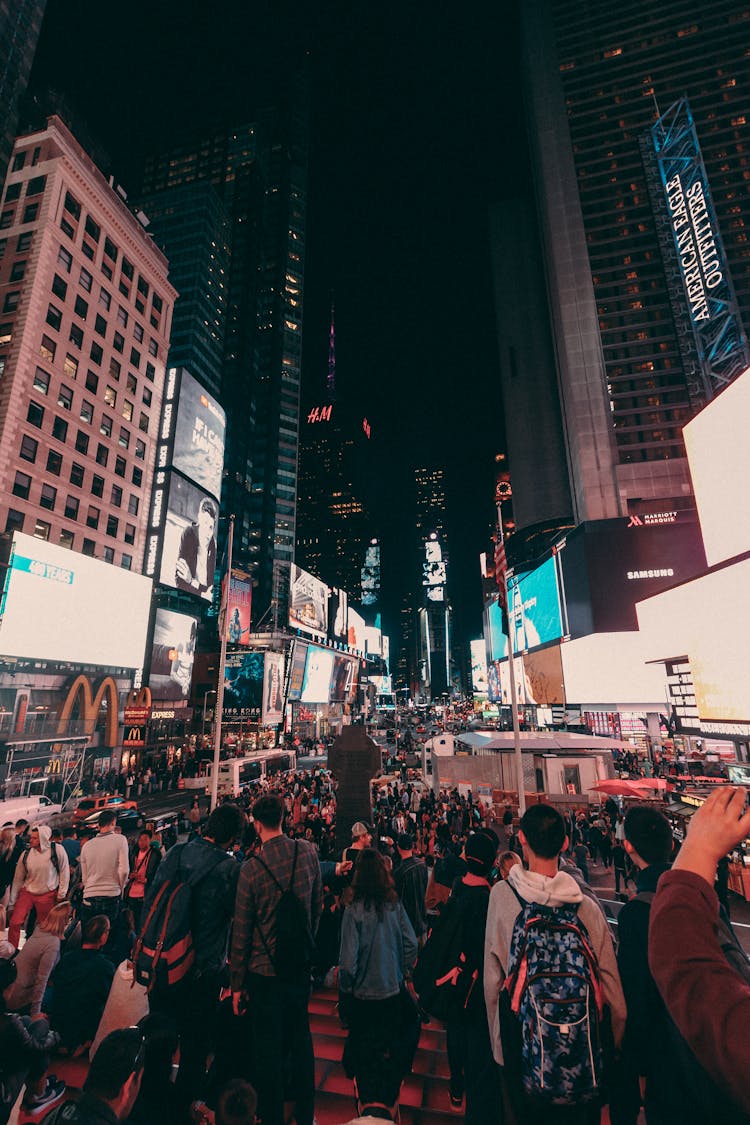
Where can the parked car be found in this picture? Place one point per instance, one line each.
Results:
(88, 808)
(37, 810)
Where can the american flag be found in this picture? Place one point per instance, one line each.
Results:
(501, 569)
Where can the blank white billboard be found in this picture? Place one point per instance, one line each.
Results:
(611, 668)
(718, 451)
(61, 606)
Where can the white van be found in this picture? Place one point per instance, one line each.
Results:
(37, 810)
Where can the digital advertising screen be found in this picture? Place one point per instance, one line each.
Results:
(373, 640)
(199, 436)
(273, 689)
(498, 641)
(58, 605)
(297, 671)
(243, 685)
(239, 607)
(318, 671)
(338, 609)
(343, 679)
(172, 655)
(356, 630)
(478, 667)
(188, 560)
(534, 607)
(433, 567)
(371, 575)
(308, 602)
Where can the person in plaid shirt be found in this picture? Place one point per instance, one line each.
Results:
(276, 1004)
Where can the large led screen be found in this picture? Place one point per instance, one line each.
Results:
(172, 654)
(343, 679)
(478, 667)
(199, 436)
(318, 671)
(239, 606)
(718, 452)
(356, 630)
(534, 607)
(498, 641)
(338, 609)
(243, 685)
(273, 689)
(58, 605)
(297, 671)
(371, 575)
(188, 559)
(308, 602)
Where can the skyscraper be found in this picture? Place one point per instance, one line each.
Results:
(615, 380)
(259, 170)
(20, 24)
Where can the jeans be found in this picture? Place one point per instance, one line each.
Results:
(193, 1005)
(284, 1065)
(24, 903)
(474, 1071)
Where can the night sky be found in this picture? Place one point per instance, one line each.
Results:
(416, 131)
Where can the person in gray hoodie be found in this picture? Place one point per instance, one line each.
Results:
(543, 837)
(41, 879)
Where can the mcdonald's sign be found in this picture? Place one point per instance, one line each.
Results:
(134, 738)
(90, 706)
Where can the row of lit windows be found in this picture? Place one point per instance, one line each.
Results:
(29, 450)
(16, 520)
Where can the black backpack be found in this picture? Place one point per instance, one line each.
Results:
(164, 953)
(294, 941)
(442, 978)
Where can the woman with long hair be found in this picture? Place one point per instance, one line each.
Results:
(8, 858)
(36, 961)
(378, 951)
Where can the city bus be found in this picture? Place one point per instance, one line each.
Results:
(236, 773)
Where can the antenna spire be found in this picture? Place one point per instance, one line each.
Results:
(331, 381)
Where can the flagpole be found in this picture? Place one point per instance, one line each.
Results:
(501, 576)
(222, 665)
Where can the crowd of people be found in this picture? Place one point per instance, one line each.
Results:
(185, 975)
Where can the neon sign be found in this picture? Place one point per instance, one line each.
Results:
(320, 413)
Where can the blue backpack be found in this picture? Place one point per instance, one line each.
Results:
(553, 1004)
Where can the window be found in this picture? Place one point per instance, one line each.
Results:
(76, 335)
(116, 498)
(127, 269)
(18, 161)
(14, 520)
(120, 466)
(97, 485)
(85, 280)
(133, 505)
(35, 414)
(24, 242)
(115, 368)
(21, 485)
(110, 396)
(142, 285)
(81, 308)
(54, 315)
(108, 554)
(102, 454)
(67, 539)
(17, 271)
(100, 325)
(41, 380)
(143, 422)
(150, 372)
(48, 497)
(127, 410)
(118, 342)
(96, 353)
(147, 396)
(157, 302)
(122, 316)
(124, 289)
(127, 562)
(110, 249)
(153, 348)
(6, 219)
(30, 213)
(129, 533)
(82, 442)
(137, 330)
(87, 411)
(72, 206)
(65, 397)
(70, 367)
(54, 463)
(11, 304)
(28, 448)
(105, 299)
(135, 358)
(13, 192)
(92, 518)
(112, 526)
(137, 477)
(3, 244)
(66, 228)
(105, 426)
(107, 271)
(64, 259)
(76, 474)
(59, 287)
(124, 438)
(89, 250)
(42, 529)
(6, 333)
(93, 230)
(132, 383)
(89, 546)
(71, 507)
(92, 382)
(60, 429)
(140, 450)
(35, 186)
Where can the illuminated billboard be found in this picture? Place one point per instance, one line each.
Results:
(243, 686)
(308, 602)
(373, 640)
(343, 688)
(58, 605)
(297, 671)
(356, 630)
(273, 689)
(371, 575)
(478, 667)
(719, 456)
(604, 667)
(199, 434)
(239, 605)
(188, 560)
(338, 611)
(434, 570)
(172, 655)
(534, 607)
(498, 641)
(318, 671)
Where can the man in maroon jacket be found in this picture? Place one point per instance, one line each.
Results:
(708, 1001)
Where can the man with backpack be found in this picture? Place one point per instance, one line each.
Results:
(279, 901)
(41, 879)
(551, 984)
(203, 878)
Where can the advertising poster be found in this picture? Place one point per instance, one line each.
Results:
(172, 655)
(373, 640)
(534, 607)
(239, 606)
(273, 689)
(478, 667)
(371, 575)
(243, 686)
(199, 436)
(543, 676)
(308, 602)
(188, 559)
(318, 671)
(343, 679)
(356, 630)
(497, 638)
(338, 608)
(297, 672)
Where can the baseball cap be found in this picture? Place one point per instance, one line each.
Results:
(480, 852)
(360, 829)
